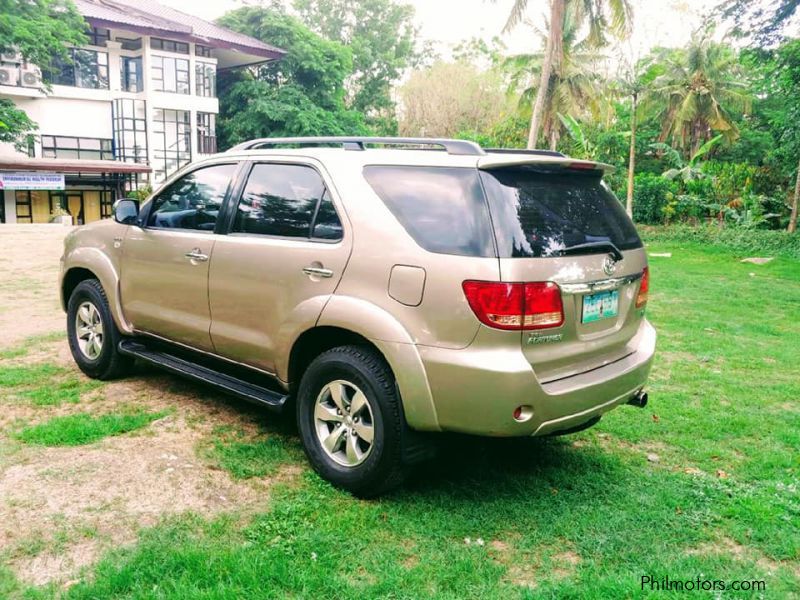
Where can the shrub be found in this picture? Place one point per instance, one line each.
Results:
(651, 195)
(741, 241)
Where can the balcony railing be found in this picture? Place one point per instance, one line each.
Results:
(206, 144)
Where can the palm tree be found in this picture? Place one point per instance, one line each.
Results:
(600, 15)
(697, 92)
(574, 89)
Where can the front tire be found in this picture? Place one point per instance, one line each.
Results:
(351, 421)
(93, 335)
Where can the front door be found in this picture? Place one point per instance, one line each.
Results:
(275, 270)
(164, 274)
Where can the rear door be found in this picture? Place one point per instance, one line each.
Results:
(164, 273)
(273, 273)
(564, 225)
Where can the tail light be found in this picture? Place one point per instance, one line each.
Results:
(515, 306)
(641, 299)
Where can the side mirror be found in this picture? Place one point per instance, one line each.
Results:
(126, 211)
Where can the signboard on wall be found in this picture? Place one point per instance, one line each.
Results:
(31, 181)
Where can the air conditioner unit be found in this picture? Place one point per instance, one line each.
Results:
(11, 57)
(31, 77)
(9, 75)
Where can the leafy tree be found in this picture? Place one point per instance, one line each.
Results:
(782, 80)
(381, 36)
(448, 98)
(698, 91)
(15, 126)
(301, 94)
(761, 22)
(600, 16)
(574, 85)
(39, 30)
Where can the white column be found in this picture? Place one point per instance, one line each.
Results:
(10, 205)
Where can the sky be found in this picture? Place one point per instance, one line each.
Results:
(448, 22)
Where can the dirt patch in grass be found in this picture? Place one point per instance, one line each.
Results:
(115, 487)
(29, 303)
(727, 547)
(528, 568)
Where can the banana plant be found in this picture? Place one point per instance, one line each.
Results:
(686, 171)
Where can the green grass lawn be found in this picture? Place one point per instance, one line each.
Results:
(704, 483)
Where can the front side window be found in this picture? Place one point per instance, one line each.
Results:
(170, 74)
(539, 214)
(283, 200)
(442, 208)
(84, 69)
(193, 201)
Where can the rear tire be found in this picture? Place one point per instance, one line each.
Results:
(93, 335)
(351, 421)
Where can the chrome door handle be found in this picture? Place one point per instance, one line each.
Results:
(318, 271)
(197, 255)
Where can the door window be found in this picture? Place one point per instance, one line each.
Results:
(287, 201)
(194, 200)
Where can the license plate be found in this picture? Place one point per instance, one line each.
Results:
(600, 306)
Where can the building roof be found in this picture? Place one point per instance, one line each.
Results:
(151, 18)
(73, 165)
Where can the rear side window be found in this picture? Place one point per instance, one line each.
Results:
(287, 201)
(442, 208)
(538, 214)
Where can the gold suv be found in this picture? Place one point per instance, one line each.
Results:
(383, 289)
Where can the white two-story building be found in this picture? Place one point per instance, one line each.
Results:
(133, 106)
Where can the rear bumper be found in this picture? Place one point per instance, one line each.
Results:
(477, 389)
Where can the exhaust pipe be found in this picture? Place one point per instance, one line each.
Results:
(639, 399)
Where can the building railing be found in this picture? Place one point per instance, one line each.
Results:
(206, 144)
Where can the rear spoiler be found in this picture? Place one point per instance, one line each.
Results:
(499, 161)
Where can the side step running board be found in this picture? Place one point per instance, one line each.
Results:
(174, 364)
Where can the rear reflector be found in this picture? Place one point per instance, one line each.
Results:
(515, 306)
(641, 299)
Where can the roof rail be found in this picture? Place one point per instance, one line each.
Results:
(524, 151)
(462, 147)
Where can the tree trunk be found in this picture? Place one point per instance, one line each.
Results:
(552, 59)
(632, 158)
(793, 217)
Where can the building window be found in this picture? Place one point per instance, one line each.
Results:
(170, 74)
(130, 43)
(131, 74)
(169, 46)
(130, 129)
(171, 141)
(98, 36)
(86, 69)
(201, 50)
(205, 79)
(60, 146)
(206, 135)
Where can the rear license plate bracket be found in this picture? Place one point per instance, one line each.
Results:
(603, 305)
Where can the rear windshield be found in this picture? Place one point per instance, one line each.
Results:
(538, 214)
(442, 208)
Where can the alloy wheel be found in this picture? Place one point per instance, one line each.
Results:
(343, 422)
(89, 330)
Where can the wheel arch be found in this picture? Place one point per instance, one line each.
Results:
(402, 358)
(90, 263)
